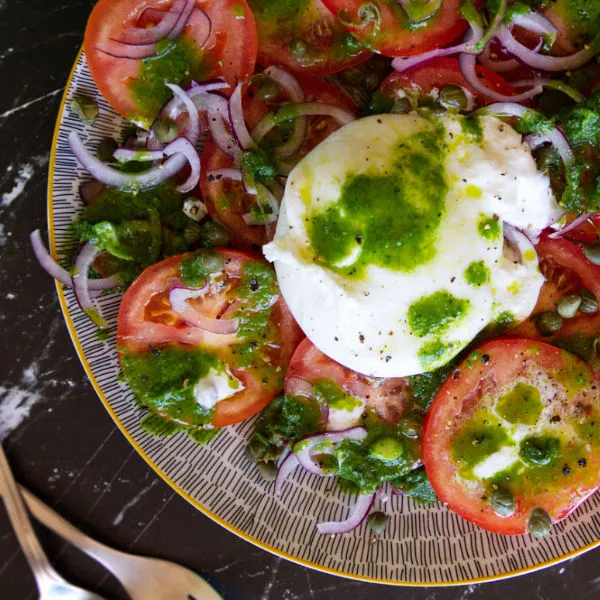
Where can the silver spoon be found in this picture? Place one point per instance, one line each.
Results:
(143, 578)
(50, 584)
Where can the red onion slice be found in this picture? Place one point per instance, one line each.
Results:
(128, 154)
(55, 270)
(297, 386)
(183, 19)
(573, 225)
(536, 23)
(193, 128)
(307, 109)
(151, 35)
(218, 118)
(114, 178)
(87, 254)
(269, 204)
(183, 146)
(503, 66)
(178, 297)
(263, 127)
(236, 118)
(287, 464)
(357, 515)
(467, 64)
(287, 82)
(129, 51)
(218, 174)
(544, 62)
(295, 141)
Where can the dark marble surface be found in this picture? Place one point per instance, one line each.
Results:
(59, 438)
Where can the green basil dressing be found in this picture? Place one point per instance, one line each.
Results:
(333, 395)
(436, 313)
(175, 61)
(477, 273)
(360, 223)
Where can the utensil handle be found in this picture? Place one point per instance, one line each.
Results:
(51, 519)
(21, 524)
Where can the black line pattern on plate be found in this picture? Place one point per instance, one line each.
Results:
(421, 545)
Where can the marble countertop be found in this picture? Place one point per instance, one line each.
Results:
(60, 440)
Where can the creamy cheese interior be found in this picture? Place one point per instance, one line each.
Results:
(389, 248)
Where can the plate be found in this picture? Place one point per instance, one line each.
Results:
(421, 546)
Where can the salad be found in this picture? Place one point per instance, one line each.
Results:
(372, 224)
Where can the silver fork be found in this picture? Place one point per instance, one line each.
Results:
(50, 584)
(143, 578)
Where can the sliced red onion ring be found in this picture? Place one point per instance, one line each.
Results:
(114, 178)
(87, 254)
(193, 129)
(55, 270)
(572, 225)
(236, 118)
(306, 109)
(248, 183)
(218, 174)
(129, 154)
(151, 35)
(295, 141)
(536, 23)
(558, 140)
(502, 66)
(297, 386)
(130, 51)
(218, 118)
(357, 515)
(263, 127)
(467, 64)
(286, 465)
(287, 82)
(544, 62)
(179, 296)
(90, 190)
(184, 147)
(183, 19)
(266, 200)
(305, 447)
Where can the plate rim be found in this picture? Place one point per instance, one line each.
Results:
(180, 491)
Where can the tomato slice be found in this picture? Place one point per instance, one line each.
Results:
(225, 199)
(304, 37)
(390, 398)
(439, 72)
(567, 271)
(135, 88)
(150, 334)
(392, 35)
(517, 420)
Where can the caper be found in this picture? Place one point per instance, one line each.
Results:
(213, 234)
(377, 522)
(548, 322)
(589, 303)
(567, 308)
(592, 251)
(191, 233)
(210, 261)
(266, 88)
(411, 425)
(453, 97)
(105, 149)
(165, 130)
(267, 470)
(539, 523)
(401, 106)
(85, 108)
(298, 48)
(503, 502)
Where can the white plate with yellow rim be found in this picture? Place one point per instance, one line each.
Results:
(422, 546)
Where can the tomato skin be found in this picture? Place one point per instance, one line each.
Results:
(136, 332)
(318, 28)
(394, 39)
(390, 397)
(253, 237)
(568, 271)
(230, 50)
(437, 73)
(504, 361)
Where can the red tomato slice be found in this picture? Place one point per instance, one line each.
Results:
(226, 200)
(567, 271)
(482, 409)
(258, 359)
(389, 397)
(304, 38)
(439, 72)
(229, 51)
(393, 37)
